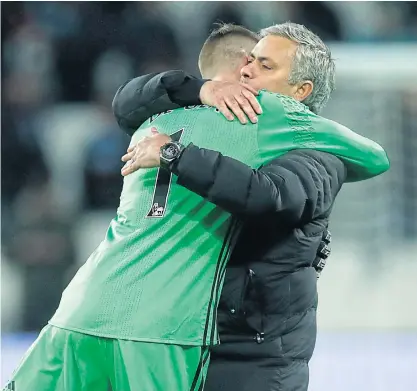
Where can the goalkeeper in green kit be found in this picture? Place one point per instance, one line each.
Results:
(140, 314)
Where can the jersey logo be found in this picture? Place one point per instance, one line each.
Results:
(156, 210)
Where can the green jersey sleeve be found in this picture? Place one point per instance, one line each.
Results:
(287, 124)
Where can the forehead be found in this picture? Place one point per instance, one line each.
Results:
(275, 48)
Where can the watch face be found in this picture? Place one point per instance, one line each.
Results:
(170, 151)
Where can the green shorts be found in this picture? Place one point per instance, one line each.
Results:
(63, 360)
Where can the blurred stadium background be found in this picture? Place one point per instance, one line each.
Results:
(62, 62)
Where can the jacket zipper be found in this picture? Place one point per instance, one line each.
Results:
(260, 336)
(248, 280)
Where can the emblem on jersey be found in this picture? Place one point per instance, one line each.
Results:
(156, 210)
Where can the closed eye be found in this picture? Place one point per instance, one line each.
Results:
(266, 67)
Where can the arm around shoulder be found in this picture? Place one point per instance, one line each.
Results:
(144, 96)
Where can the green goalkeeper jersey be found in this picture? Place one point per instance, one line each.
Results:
(157, 275)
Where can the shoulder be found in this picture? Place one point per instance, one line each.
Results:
(283, 112)
(274, 101)
(188, 111)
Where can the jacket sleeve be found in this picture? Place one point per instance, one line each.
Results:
(299, 186)
(140, 98)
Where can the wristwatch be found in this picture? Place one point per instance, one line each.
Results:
(169, 153)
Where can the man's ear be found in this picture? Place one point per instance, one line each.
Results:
(304, 90)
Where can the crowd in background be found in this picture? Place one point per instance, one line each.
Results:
(81, 52)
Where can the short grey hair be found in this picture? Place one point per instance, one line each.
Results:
(312, 61)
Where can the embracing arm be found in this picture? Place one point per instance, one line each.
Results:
(144, 96)
(364, 159)
(140, 98)
(299, 185)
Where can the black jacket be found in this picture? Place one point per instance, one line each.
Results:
(267, 309)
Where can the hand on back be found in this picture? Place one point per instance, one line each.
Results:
(232, 98)
(145, 153)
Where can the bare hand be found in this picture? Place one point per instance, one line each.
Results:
(231, 97)
(145, 154)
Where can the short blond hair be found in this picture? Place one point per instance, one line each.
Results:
(224, 48)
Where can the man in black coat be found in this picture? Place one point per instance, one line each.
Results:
(267, 310)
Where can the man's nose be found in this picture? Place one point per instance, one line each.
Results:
(247, 71)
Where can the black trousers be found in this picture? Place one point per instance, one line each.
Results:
(243, 367)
